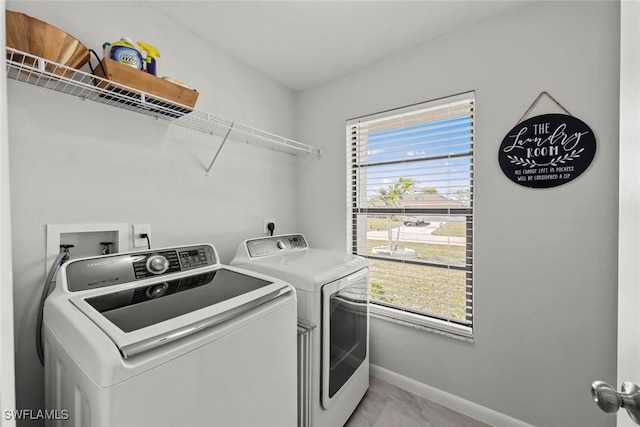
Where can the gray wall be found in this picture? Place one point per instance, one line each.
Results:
(545, 260)
(79, 162)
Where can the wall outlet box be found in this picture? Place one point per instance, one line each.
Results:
(138, 229)
(266, 228)
(86, 238)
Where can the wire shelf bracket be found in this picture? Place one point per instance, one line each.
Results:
(224, 140)
(36, 71)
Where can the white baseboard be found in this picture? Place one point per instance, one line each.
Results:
(449, 400)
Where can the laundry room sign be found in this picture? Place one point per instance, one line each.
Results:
(547, 150)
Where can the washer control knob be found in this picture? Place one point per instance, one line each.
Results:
(157, 264)
(281, 245)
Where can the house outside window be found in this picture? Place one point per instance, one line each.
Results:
(410, 199)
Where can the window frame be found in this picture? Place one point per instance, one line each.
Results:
(398, 314)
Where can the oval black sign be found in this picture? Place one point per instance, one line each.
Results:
(547, 151)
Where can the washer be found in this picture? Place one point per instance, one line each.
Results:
(332, 290)
(169, 337)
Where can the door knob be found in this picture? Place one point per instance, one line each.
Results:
(609, 400)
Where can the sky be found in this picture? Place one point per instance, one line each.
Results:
(425, 152)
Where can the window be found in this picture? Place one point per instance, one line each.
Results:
(410, 191)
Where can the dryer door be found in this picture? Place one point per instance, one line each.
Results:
(345, 332)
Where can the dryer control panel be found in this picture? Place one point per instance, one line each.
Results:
(96, 272)
(275, 245)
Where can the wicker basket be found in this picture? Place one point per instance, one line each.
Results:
(38, 38)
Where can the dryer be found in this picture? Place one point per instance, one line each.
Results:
(332, 297)
(169, 337)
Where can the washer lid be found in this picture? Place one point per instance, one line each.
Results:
(143, 317)
(307, 269)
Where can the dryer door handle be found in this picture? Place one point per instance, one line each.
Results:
(357, 276)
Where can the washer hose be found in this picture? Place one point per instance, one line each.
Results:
(63, 256)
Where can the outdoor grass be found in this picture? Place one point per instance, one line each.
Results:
(457, 229)
(425, 289)
(379, 224)
(430, 252)
(432, 290)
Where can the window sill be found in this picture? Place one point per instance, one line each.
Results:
(435, 326)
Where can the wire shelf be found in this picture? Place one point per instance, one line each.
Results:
(26, 68)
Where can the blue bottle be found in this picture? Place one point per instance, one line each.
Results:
(124, 52)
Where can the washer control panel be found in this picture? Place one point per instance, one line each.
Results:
(194, 257)
(275, 245)
(156, 263)
(96, 272)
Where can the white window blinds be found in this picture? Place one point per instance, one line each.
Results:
(410, 198)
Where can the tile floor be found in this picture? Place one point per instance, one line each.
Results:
(386, 405)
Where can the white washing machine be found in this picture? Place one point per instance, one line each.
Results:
(333, 295)
(169, 337)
